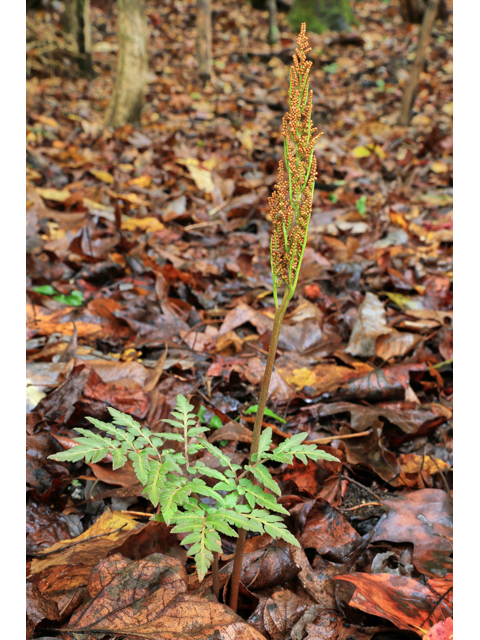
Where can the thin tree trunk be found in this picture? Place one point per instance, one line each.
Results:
(129, 91)
(77, 28)
(87, 28)
(273, 33)
(70, 23)
(204, 42)
(413, 11)
(410, 89)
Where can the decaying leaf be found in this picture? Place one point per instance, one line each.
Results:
(405, 602)
(371, 324)
(148, 598)
(278, 614)
(39, 607)
(423, 518)
(111, 529)
(327, 531)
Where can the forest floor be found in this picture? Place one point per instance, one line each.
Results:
(148, 276)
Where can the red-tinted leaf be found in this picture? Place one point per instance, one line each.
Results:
(405, 602)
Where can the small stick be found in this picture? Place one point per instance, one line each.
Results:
(330, 438)
(359, 506)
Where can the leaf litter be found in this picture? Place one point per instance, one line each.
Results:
(163, 230)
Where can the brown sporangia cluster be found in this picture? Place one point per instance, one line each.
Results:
(291, 201)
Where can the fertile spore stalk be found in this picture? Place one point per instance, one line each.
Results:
(291, 208)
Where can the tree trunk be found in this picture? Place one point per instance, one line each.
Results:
(411, 88)
(412, 11)
(204, 39)
(77, 27)
(321, 15)
(273, 33)
(129, 90)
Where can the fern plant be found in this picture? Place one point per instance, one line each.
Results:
(243, 499)
(291, 209)
(174, 480)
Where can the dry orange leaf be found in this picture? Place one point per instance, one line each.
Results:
(148, 225)
(141, 181)
(414, 463)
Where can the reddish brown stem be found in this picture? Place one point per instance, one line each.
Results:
(216, 577)
(257, 430)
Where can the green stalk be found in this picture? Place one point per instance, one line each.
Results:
(257, 430)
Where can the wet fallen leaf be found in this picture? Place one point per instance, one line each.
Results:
(135, 403)
(231, 431)
(241, 314)
(320, 587)
(443, 630)
(404, 601)
(64, 584)
(326, 625)
(328, 532)
(112, 528)
(154, 603)
(277, 615)
(39, 607)
(423, 518)
(268, 567)
(417, 469)
(304, 476)
(46, 526)
(154, 537)
(123, 477)
(410, 418)
(443, 587)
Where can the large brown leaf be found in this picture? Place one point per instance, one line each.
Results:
(148, 599)
(410, 418)
(327, 531)
(268, 567)
(423, 518)
(405, 602)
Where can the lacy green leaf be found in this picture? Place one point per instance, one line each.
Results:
(263, 475)
(141, 465)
